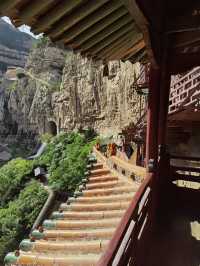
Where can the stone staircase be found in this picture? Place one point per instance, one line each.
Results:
(78, 233)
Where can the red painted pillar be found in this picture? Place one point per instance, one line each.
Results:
(164, 105)
(153, 116)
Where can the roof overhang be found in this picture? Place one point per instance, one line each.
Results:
(100, 29)
(117, 29)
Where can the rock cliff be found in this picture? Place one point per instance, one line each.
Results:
(71, 92)
(14, 46)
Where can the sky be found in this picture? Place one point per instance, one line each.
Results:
(23, 28)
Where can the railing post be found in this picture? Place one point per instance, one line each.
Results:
(152, 118)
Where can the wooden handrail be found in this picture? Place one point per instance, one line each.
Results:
(191, 178)
(137, 170)
(187, 158)
(185, 168)
(130, 215)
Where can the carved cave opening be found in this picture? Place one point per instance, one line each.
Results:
(52, 128)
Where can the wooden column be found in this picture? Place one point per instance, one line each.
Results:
(164, 105)
(152, 116)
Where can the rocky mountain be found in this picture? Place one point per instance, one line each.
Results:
(14, 46)
(61, 89)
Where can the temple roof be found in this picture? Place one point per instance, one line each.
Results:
(101, 29)
(160, 30)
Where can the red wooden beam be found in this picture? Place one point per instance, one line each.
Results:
(152, 115)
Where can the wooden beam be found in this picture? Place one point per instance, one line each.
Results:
(57, 12)
(182, 62)
(125, 52)
(95, 29)
(117, 55)
(152, 116)
(143, 25)
(94, 23)
(186, 20)
(137, 47)
(129, 36)
(125, 20)
(32, 9)
(76, 16)
(184, 39)
(126, 43)
(118, 44)
(110, 39)
(6, 5)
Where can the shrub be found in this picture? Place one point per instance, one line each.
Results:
(13, 177)
(18, 217)
(46, 137)
(41, 42)
(66, 159)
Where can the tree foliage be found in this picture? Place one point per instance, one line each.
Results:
(66, 159)
(19, 215)
(21, 199)
(13, 177)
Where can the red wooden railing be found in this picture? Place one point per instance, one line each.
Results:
(122, 249)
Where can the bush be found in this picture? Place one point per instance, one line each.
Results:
(41, 42)
(13, 177)
(18, 217)
(21, 201)
(46, 137)
(66, 160)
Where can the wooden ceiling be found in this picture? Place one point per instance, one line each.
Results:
(174, 29)
(117, 29)
(101, 29)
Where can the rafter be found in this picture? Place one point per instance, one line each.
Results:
(186, 20)
(76, 16)
(128, 52)
(93, 30)
(6, 5)
(128, 37)
(94, 23)
(115, 54)
(129, 41)
(96, 48)
(125, 20)
(57, 12)
(29, 11)
(185, 39)
(143, 25)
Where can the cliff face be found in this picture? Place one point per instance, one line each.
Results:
(14, 46)
(93, 96)
(71, 91)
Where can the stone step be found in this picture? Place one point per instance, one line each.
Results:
(95, 207)
(78, 247)
(104, 178)
(87, 215)
(110, 191)
(51, 260)
(97, 166)
(101, 199)
(99, 172)
(108, 184)
(87, 224)
(105, 233)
